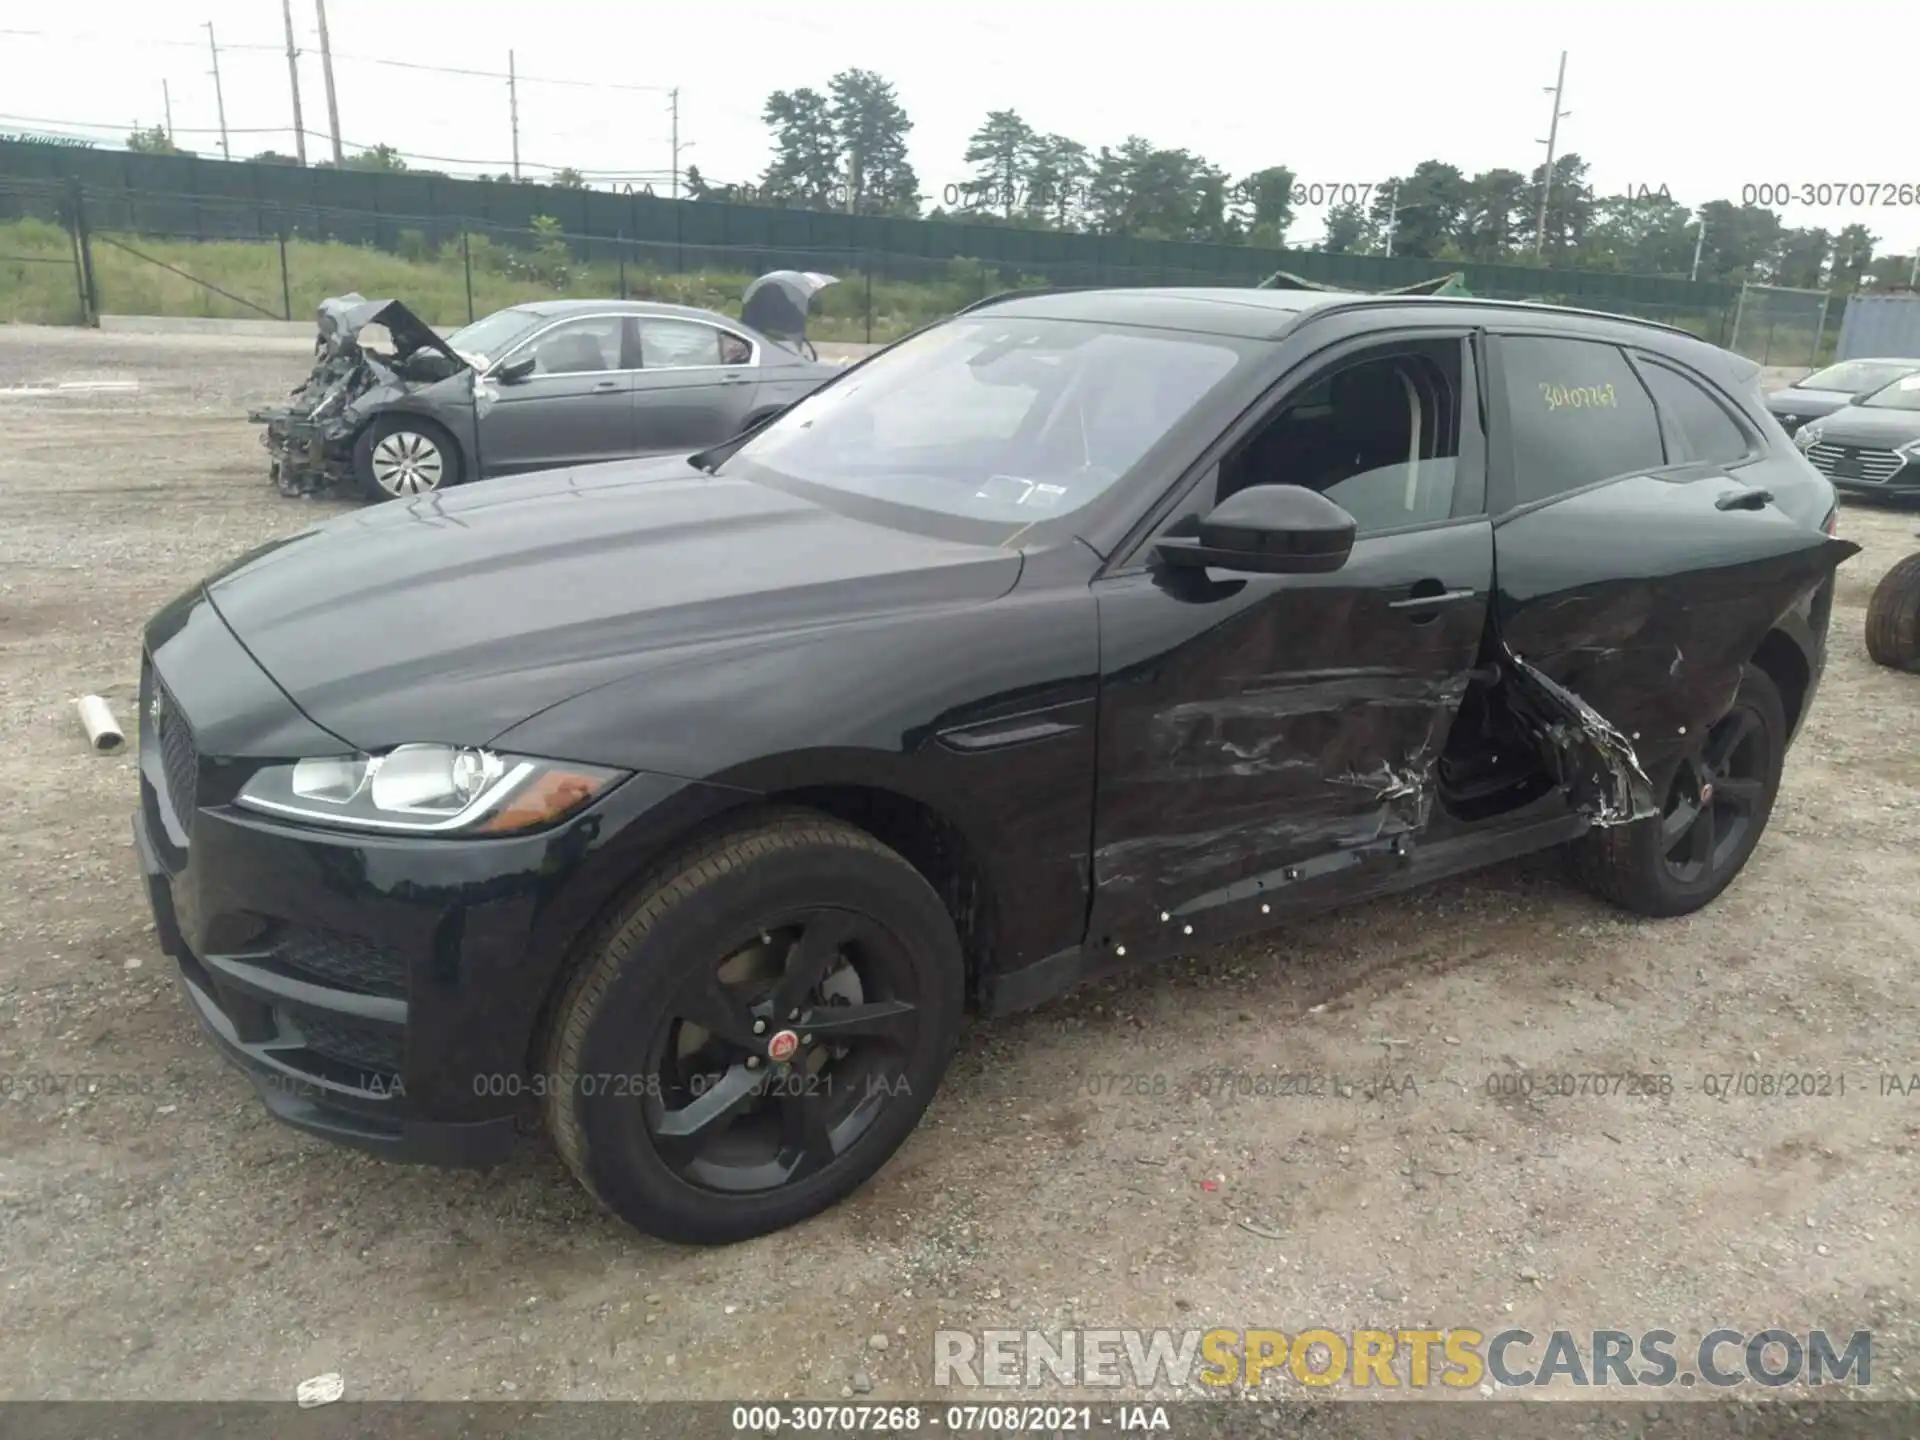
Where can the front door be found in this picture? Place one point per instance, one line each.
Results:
(575, 408)
(1262, 735)
(696, 385)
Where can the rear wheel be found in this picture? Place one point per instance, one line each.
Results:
(1715, 804)
(1893, 617)
(756, 1033)
(399, 456)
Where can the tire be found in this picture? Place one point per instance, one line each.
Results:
(629, 1076)
(1893, 617)
(1741, 755)
(415, 455)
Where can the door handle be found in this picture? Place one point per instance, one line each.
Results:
(1427, 602)
(1755, 499)
(735, 379)
(602, 386)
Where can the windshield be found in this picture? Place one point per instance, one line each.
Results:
(492, 334)
(1857, 377)
(1901, 395)
(1002, 420)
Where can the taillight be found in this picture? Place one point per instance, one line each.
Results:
(1832, 522)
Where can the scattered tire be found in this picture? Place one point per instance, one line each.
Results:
(756, 1032)
(1893, 617)
(1714, 806)
(399, 456)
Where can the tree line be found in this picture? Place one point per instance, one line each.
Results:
(844, 148)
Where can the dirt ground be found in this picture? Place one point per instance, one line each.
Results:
(176, 1243)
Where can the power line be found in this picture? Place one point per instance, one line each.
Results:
(356, 59)
(468, 160)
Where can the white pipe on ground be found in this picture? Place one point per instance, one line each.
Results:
(102, 730)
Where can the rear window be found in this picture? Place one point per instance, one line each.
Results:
(1577, 414)
(1698, 426)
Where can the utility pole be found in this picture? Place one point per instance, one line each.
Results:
(1546, 175)
(326, 70)
(673, 104)
(1393, 216)
(218, 99)
(166, 101)
(853, 179)
(513, 112)
(1699, 243)
(293, 74)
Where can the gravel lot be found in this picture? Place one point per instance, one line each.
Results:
(176, 1243)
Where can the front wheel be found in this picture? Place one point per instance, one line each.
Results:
(756, 1033)
(1716, 803)
(399, 456)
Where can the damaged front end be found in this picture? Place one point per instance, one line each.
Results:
(310, 437)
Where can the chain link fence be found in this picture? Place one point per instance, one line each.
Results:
(1776, 325)
(79, 254)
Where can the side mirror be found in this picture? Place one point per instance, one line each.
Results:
(515, 370)
(1268, 529)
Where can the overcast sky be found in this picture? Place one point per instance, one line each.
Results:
(1701, 97)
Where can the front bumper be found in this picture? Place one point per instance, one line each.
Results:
(382, 992)
(268, 1043)
(1859, 470)
(304, 453)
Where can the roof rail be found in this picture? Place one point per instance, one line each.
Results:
(999, 295)
(1525, 305)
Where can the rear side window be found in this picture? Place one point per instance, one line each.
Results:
(1698, 427)
(1577, 414)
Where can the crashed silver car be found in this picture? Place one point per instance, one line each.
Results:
(534, 386)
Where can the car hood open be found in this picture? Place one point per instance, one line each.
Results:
(455, 616)
(341, 318)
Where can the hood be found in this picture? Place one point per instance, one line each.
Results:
(341, 319)
(1865, 425)
(456, 616)
(1806, 403)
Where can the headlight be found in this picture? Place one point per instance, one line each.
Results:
(1908, 451)
(428, 789)
(1807, 436)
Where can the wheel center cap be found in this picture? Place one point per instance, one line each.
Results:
(782, 1046)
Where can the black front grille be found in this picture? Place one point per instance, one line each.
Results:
(343, 960)
(372, 1048)
(178, 756)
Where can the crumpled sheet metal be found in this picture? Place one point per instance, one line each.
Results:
(1618, 792)
(1248, 736)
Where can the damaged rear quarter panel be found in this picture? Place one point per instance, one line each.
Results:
(1644, 600)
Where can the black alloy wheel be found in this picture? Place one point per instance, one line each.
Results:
(756, 1031)
(1716, 802)
(777, 1056)
(1716, 797)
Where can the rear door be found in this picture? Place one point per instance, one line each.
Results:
(1640, 561)
(1261, 736)
(696, 384)
(575, 408)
